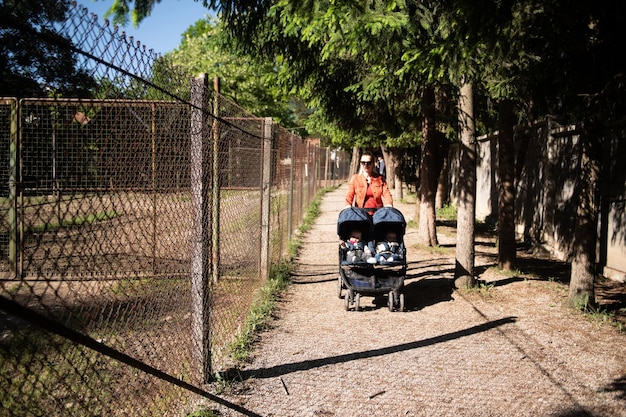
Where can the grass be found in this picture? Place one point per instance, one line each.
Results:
(482, 289)
(203, 413)
(37, 364)
(515, 273)
(76, 221)
(448, 212)
(602, 316)
(261, 311)
(597, 315)
(434, 250)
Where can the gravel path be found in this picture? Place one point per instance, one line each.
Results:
(510, 350)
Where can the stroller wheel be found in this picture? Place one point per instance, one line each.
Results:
(347, 301)
(391, 301)
(401, 306)
(357, 302)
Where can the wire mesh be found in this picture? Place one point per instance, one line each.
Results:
(132, 231)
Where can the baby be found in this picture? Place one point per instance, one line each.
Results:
(388, 251)
(356, 249)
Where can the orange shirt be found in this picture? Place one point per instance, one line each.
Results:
(378, 192)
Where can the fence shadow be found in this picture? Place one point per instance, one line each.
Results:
(283, 369)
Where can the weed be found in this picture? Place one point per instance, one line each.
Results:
(261, 311)
(509, 273)
(581, 304)
(595, 314)
(409, 198)
(448, 212)
(482, 289)
(434, 250)
(203, 413)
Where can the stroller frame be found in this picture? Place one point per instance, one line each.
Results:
(363, 279)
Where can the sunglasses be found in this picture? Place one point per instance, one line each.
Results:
(366, 162)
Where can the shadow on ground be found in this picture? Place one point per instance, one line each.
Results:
(426, 292)
(283, 369)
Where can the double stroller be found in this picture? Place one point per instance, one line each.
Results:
(372, 255)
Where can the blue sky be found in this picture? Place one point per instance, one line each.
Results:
(162, 30)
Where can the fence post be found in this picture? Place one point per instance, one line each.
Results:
(326, 167)
(307, 170)
(291, 189)
(265, 198)
(302, 173)
(215, 134)
(201, 233)
(13, 175)
(153, 166)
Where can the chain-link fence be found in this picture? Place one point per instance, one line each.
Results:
(136, 229)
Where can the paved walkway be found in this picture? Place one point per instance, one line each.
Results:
(511, 351)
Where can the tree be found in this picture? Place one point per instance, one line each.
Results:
(346, 60)
(252, 84)
(506, 188)
(427, 234)
(35, 59)
(464, 267)
(583, 82)
(563, 57)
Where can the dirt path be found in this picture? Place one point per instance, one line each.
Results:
(509, 350)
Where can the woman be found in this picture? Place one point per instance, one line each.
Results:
(368, 189)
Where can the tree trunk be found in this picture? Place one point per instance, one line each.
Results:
(464, 267)
(389, 166)
(581, 287)
(354, 164)
(442, 106)
(394, 171)
(441, 198)
(506, 189)
(427, 233)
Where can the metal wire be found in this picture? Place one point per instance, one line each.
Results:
(101, 212)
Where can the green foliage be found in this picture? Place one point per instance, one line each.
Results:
(251, 83)
(448, 212)
(37, 58)
(360, 66)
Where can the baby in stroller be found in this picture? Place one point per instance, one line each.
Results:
(355, 248)
(372, 255)
(390, 250)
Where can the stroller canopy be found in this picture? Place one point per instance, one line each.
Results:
(354, 218)
(388, 218)
(388, 215)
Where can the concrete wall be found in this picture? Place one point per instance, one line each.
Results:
(547, 167)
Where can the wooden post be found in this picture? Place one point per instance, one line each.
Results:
(13, 194)
(200, 234)
(154, 191)
(266, 196)
(307, 173)
(291, 188)
(327, 168)
(215, 215)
